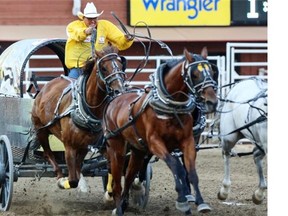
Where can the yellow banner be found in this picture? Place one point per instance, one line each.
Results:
(180, 12)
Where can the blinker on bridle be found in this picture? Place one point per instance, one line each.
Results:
(116, 71)
(187, 76)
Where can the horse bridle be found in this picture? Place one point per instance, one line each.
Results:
(117, 73)
(197, 88)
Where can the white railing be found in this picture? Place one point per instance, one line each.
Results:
(157, 60)
(28, 70)
(226, 65)
(232, 49)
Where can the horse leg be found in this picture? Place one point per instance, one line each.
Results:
(42, 137)
(72, 181)
(82, 184)
(227, 143)
(258, 195)
(181, 186)
(226, 184)
(137, 188)
(189, 196)
(157, 148)
(142, 172)
(189, 156)
(116, 157)
(108, 196)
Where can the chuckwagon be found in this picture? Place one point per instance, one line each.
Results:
(18, 88)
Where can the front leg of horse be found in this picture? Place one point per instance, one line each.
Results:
(82, 184)
(259, 194)
(180, 183)
(226, 184)
(116, 161)
(137, 187)
(201, 205)
(72, 181)
(189, 157)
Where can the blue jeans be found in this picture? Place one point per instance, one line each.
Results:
(75, 72)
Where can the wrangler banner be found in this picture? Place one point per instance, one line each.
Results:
(180, 12)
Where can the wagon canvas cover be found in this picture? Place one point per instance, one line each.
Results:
(13, 61)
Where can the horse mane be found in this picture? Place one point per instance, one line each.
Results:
(109, 49)
(173, 62)
(88, 66)
(197, 57)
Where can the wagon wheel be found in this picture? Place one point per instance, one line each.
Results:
(146, 183)
(6, 173)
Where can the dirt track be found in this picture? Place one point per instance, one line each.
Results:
(32, 197)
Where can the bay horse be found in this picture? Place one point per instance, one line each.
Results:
(157, 120)
(72, 110)
(244, 115)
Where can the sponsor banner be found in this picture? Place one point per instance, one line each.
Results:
(181, 12)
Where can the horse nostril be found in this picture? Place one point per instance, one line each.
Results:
(211, 106)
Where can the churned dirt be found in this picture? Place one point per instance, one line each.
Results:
(42, 197)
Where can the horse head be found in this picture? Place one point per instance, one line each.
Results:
(110, 69)
(201, 78)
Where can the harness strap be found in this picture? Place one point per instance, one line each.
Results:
(67, 111)
(131, 119)
(258, 120)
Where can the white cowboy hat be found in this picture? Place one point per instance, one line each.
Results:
(90, 11)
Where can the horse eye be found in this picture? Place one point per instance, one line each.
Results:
(103, 69)
(195, 74)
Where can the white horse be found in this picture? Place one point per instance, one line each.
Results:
(244, 115)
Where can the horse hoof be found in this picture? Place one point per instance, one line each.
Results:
(108, 198)
(137, 193)
(221, 196)
(62, 183)
(114, 211)
(190, 198)
(183, 206)
(203, 208)
(256, 200)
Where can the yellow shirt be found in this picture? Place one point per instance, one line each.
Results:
(78, 45)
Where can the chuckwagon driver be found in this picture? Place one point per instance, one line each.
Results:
(78, 46)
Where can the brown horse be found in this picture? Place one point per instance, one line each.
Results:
(73, 110)
(157, 121)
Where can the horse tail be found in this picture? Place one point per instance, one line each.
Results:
(32, 140)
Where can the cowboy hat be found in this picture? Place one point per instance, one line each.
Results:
(90, 11)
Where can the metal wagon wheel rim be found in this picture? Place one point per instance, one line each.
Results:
(6, 183)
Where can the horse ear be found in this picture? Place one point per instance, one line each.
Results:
(187, 55)
(204, 52)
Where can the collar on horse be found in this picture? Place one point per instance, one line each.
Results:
(80, 113)
(162, 102)
(78, 109)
